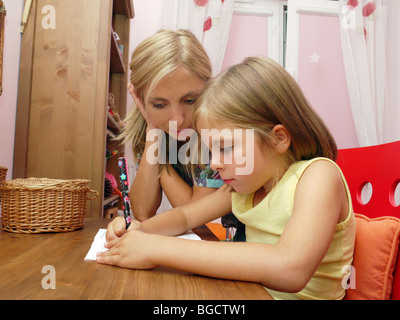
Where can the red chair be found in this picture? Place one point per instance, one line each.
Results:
(380, 166)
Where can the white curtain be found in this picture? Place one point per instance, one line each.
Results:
(209, 20)
(370, 34)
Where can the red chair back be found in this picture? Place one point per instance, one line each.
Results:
(380, 166)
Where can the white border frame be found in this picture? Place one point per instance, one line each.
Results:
(295, 8)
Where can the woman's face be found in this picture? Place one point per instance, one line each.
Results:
(173, 100)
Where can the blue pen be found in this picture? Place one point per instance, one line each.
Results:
(124, 182)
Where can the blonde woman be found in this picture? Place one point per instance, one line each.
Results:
(300, 225)
(168, 72)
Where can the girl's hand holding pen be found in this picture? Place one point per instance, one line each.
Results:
(117, 228)
(132, 250)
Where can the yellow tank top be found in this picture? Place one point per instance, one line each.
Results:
(266, 221)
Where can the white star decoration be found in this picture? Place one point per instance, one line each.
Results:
(315, 58)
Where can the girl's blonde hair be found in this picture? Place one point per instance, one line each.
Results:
(154, 59)
(259, 94)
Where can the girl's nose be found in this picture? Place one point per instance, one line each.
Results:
(216, 164)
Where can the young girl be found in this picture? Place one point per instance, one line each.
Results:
(168, 72)
(296, 206)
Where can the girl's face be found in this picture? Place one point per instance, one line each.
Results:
(173, 100)
(237, 151)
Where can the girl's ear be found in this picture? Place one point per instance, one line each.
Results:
(282, 138)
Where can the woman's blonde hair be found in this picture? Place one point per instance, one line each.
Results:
(154, 59)
(259, 94)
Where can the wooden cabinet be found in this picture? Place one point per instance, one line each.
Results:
(66, 73)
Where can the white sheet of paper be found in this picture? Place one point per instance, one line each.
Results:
(100, 240)
(97, 245)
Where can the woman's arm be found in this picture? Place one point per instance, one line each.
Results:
(145, 193)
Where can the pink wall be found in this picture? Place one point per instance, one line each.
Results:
(148, 20)
(248, 37)
(8, 100)
(323, 79)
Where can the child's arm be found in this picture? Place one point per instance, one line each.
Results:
(179, 220)
(178, 191)
(320, 202)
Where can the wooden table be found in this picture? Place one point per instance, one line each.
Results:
(22, 257)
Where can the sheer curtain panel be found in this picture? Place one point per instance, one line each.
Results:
(209, 20)
(370, 34)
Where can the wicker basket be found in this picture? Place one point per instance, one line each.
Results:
(36, 205)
